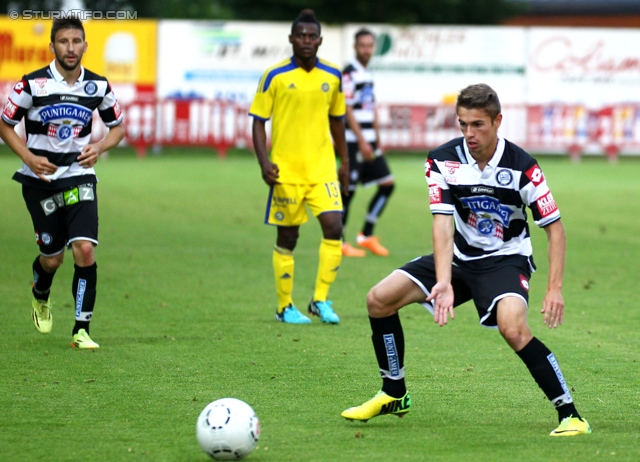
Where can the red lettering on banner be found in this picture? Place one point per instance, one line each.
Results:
(10, 109)
(590, 61)
(535, 175)
(435, 195)
(547, 205)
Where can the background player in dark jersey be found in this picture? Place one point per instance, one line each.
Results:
(367, 164)
(57, 175)
(485, 183)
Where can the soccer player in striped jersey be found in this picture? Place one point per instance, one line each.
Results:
(367, 163)
(482, 184)
(57, 175)
(303, 98)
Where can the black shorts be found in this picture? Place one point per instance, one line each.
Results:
(61, 217)
(368, 173)
(484, 288)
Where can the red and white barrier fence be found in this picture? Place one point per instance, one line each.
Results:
(553, 128)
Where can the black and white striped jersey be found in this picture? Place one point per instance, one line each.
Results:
(489, 206)
(357, 82)
(58, 120)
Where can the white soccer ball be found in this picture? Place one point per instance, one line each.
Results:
(228, 429)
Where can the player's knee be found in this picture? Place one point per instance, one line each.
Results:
(83, 253)
(387, 189)
(51, 263)
(376, 305)
(516, 336)
(333, 230)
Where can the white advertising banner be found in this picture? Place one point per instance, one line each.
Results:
(431, 64)
(593, 67)
(224, 60)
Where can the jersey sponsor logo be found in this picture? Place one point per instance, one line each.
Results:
(535, 175)
(524, 282)
(291, 86)
(546, 205)
(18, 87)
(435, 194)
(90, 88)
(504, 177)
(69, 98)
(325, 87)
(10, 109)
(451, 166)
(347, 84)
(482, 190)
(62, 112)
(487, 206)
(41, 86)
(282, 201)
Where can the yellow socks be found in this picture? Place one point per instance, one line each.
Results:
(330, 257)
(283, 272)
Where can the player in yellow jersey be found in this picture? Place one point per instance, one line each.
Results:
(303, 98)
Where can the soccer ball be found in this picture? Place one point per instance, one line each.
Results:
(228, 429)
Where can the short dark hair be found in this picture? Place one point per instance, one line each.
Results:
(363, 31)
(65, 23)
(306, 16)
(480, 96)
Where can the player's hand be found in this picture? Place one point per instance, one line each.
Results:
(441, 297)
(553, 308)
(89, 156)
(366, 150)
(343, 176)
(270, 173)
(41, 166)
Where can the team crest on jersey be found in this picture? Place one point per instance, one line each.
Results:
(325, 87)
(90, 88)
(41, 86)
(504, 177)
(279, 216)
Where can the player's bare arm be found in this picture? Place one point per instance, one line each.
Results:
(90, 153)
(553, 303)
(270, 171)
(39, 165)
(336, 125)
(442, 292)
(363, 145)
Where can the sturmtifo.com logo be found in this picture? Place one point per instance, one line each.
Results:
(82, 15)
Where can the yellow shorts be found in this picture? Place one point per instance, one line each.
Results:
(286, 204)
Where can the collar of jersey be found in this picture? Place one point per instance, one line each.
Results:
(57, 76)
(497, 155)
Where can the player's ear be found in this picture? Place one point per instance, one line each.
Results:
(291, 39)
(320, 40)
(51, 49)
(497, 121)
(86, 45)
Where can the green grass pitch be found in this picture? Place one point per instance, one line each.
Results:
(184, 316)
